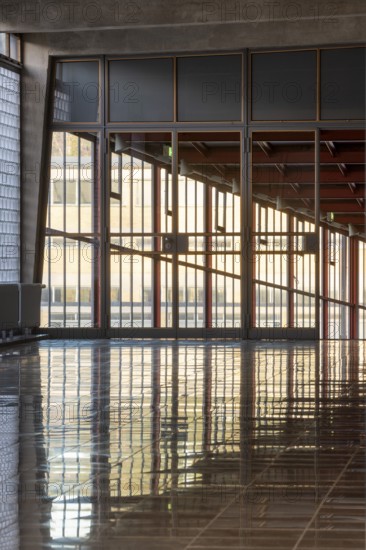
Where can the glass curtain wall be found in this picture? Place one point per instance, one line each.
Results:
(203, 208)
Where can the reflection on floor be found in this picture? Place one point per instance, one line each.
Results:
(172, 445)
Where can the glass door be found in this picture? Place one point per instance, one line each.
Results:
(285, 250)
(209, 233)
(174, 234)
(140, 214)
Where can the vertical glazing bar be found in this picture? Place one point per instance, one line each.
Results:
(311, 279)
(120, 257)
(355, 264)
(175, 226)
(142, 210)
(100, 222)
(216, 208)
(224, 278)
(196, 257)
(208, 257)
(167, 296)
(232, 262)
(361, 257)
(130, 263)
(225, 210)
(303, 229)
(64, 229)
(343, 260)
(185, 289)
(252, 259)
(334, 290)
(156, 206)
(245, 205)
(233, 258)
(291, 273)
(48, 260)
(362, 263)
(279, 263)
(216, 287)
(78, 294)
(245, 218)
(326, 266)
(266, 229)
(317, 231)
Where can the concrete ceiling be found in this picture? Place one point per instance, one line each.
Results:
(46, 16)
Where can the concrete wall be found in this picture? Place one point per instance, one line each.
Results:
(63, 28)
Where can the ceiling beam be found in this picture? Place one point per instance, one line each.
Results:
(302, 174)
(343, 135)
(307, 192)
(354, 219)
(291, 156)
(273, 136)
(345, 206)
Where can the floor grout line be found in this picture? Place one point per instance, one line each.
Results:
(245, 487)
(324, 499)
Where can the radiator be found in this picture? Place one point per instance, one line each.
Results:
(30, 305)
(9, 306)
(20, 305)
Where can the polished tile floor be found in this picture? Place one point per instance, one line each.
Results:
(183, 445)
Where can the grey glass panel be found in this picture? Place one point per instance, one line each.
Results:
(77, 92)
(14, 47)
(141, 90)
(3, 43)
(209, 88)
(343, 84)
(284, 86)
